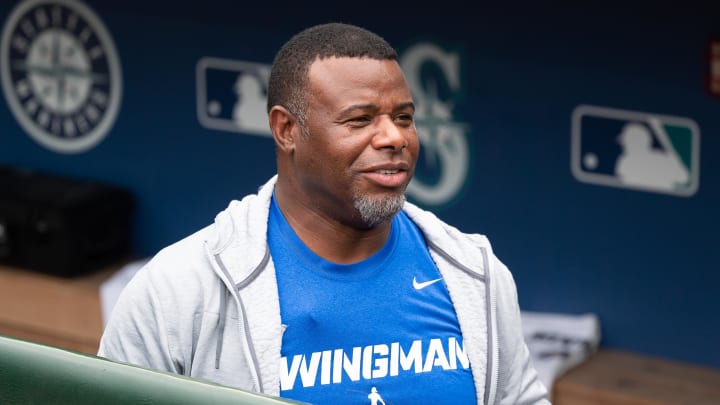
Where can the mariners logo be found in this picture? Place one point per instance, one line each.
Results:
(635, 150)
(60, 73)
(434, 78)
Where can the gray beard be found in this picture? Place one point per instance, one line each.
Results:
(375, 211)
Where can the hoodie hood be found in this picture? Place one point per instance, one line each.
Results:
(450, 243)
(240, 240)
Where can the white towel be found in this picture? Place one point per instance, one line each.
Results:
(559, 342)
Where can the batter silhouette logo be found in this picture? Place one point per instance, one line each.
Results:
(433, 75)
(232, 95)
(60, 73)
(635, 150)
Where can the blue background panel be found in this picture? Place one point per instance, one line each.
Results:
(645, 263)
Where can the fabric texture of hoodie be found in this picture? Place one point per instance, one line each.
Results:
(207, 307)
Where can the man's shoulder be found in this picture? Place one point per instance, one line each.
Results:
(189, 246)
(471, 251)
(182, 259)
(248, 213)
(237, 234)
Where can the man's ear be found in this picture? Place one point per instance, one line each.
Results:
(285, 128)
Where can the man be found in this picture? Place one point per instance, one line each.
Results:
(326, 286)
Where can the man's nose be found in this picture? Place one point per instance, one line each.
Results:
(389, 135)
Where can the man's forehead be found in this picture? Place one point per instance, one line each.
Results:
(357, 80)
(348, 69)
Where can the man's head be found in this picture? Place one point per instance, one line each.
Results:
(289, 75)
(341, 113)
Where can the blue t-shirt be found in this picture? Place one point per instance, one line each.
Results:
(380, 331)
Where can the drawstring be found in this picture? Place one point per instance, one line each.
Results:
(221, 327)
(252, 359)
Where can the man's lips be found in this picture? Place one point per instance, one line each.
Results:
(389, 175)
(400, 165)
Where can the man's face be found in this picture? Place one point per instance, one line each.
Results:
(362, 145)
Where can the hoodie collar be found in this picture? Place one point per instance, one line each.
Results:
(241, 237)
(240, 240)
(449, 241)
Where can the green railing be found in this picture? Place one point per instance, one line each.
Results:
(32, 373)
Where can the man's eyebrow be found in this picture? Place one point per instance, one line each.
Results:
(403, 106)
(357, 107)
(372, 107)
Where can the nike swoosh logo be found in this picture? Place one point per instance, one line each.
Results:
(420, 286)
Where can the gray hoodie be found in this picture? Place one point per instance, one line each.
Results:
(207, 307)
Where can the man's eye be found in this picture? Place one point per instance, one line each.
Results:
(405, 119)
(362, 120)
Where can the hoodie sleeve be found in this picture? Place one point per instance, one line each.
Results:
(136, 332)
(518, 383)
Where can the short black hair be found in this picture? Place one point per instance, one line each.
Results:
(289, 73)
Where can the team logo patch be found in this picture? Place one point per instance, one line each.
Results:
(232, 95)
(60, 73)
(635, 150)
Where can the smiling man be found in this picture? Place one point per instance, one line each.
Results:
(327, 286)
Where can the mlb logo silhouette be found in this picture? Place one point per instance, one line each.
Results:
(232, 95)
(635, 150)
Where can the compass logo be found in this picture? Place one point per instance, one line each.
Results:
(60, 73)
(434, 78)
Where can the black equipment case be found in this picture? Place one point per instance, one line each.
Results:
(62, 226)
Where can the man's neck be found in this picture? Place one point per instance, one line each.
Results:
(330, 238)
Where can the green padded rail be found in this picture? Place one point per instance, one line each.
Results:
(32, 373)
